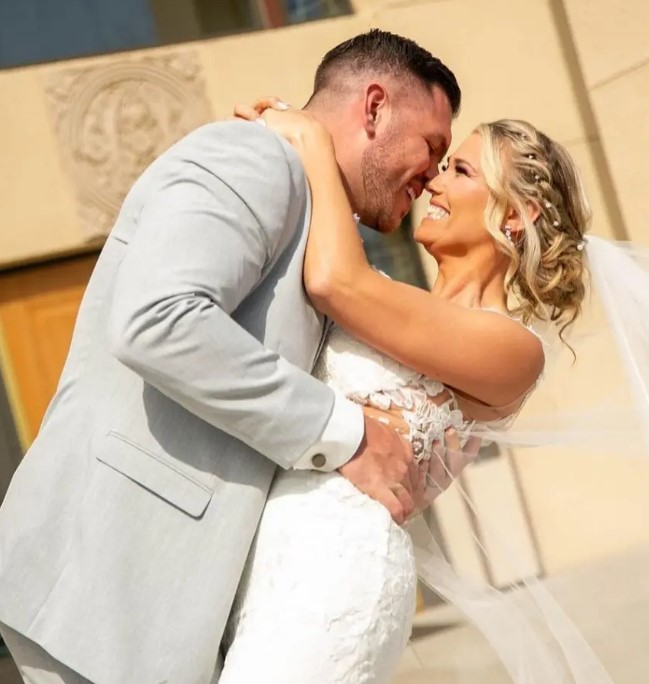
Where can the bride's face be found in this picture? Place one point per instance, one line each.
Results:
(455, 219)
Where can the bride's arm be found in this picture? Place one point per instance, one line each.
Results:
(480, 353)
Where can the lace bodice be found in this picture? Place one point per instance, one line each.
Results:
(370, 378)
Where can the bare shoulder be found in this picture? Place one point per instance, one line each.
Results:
(515, 345)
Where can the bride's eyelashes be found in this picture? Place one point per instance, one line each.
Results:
(457, 167)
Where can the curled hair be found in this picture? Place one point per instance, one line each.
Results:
(527, 171)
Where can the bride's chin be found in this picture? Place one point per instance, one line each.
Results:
(417, 231)
(424, 233)
(429, 239)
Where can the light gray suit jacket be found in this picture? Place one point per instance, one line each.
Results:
(126, 527)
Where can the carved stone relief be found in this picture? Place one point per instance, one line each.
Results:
(114, 118)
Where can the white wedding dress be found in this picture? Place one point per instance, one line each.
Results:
(328, 594)
(329, 591)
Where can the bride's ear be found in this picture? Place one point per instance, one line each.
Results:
(376, 99)
(513, 218)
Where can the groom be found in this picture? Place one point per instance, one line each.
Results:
(126, 528)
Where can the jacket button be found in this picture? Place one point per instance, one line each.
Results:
(319, 460)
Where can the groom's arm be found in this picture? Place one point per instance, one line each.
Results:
(204, 238)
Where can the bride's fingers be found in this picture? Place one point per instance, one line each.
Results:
(270, 102)
(254, 111)
(246, 112)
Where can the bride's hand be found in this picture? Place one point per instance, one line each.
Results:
(298, 127)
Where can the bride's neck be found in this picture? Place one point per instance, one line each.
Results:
(471, 281)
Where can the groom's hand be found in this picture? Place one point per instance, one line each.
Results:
(384, 469)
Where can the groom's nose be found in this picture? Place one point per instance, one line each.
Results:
(432, 172)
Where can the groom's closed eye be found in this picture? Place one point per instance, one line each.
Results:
(438, 145)
(436, 154)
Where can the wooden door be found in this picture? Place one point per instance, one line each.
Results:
(38, 308)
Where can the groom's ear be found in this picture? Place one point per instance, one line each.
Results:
(375, 106)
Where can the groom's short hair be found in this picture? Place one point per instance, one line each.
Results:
(384, 52)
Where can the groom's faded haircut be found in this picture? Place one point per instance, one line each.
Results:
(383, 52)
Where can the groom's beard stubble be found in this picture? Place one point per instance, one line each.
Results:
(380, 187)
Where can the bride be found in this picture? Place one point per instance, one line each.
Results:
(329, 591)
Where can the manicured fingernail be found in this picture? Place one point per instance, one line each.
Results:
(261, 122)
(281, 105)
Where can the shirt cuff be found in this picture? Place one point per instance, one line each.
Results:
(339, 440)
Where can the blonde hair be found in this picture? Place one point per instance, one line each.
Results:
(527, 171)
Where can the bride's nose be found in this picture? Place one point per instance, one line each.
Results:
(434, 185)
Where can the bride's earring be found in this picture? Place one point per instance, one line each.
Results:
(508, 233)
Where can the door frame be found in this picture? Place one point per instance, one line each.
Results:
(10, 449)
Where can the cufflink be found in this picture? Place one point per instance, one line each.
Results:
(319, 460)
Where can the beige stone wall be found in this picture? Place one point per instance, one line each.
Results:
(510, 57)
(610, 42)
(578, 69)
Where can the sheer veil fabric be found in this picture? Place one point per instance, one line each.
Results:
(601, 410)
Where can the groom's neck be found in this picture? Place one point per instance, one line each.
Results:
(345, 155)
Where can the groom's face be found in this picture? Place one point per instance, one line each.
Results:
(404, 154)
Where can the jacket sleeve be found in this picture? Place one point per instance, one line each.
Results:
(208, 229)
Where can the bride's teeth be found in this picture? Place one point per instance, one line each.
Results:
(437, 213)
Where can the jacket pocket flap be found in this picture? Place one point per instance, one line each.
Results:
(155, 473)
